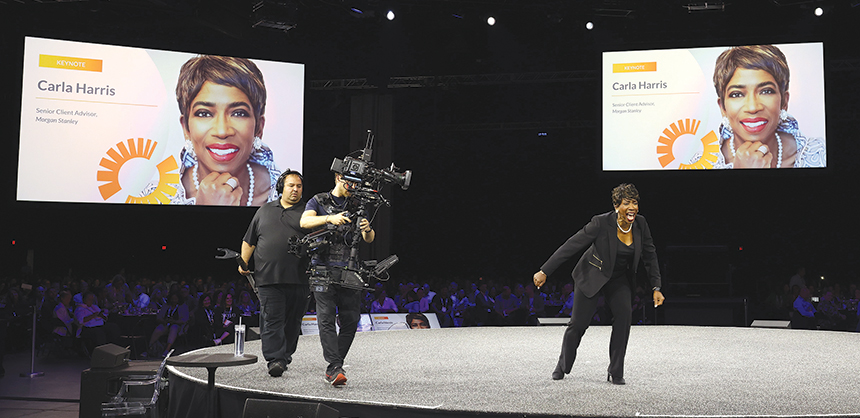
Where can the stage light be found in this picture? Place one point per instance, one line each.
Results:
(163, 247)
(491, 21)
(819, 11)
(390, 15)
(589, 25)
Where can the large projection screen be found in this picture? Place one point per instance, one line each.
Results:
(661, 112)
(102, 124)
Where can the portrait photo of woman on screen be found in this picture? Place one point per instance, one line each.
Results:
(222, 103)
(756, 130)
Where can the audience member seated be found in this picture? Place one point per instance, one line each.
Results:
(50, 298)
(535, 301)
(172, 319)
(140, 300)
(400, 297)
(93, 327)
(462, 308)
(442, 306)
(830, 317)
(118, 294)
(78, 290)
(484, 305)
(382, 303)
(206, 327)
(247, 305)
(228, 317)
(412, 303)
(804, 315)
(64, 321)
(424, 298)
(507, 307)
(63, 314)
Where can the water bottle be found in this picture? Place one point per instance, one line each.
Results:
(240, 340)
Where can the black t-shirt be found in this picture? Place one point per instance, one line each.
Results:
(270, 232)
(339, 249)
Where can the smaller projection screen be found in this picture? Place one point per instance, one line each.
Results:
(661, 109)
(103, 124)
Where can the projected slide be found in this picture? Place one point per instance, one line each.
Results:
(112, 124)
(759, 106)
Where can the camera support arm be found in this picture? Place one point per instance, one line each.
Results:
(228, 254)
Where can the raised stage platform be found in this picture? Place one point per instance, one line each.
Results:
(679, 371)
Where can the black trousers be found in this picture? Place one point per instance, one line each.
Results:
(342, 305)
(282, 307)
(619, 300)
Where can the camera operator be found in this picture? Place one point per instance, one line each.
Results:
(280, 277)
(333, 208)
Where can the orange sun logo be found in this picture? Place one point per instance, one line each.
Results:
(710, 145)
(122, 154)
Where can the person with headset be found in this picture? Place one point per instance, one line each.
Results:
(280, 277)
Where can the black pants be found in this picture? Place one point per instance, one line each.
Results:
(618, 299)
(282, 307)
(337, 304)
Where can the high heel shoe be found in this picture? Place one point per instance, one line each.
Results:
(615, 380)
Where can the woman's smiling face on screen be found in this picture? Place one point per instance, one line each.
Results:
(221, 126)
(752, 103)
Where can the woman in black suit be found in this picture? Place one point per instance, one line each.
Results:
(614, 242)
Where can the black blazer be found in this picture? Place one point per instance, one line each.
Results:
(595, 266)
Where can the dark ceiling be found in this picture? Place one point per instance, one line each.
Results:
(425, 37)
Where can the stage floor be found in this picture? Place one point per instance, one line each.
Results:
(670, 371)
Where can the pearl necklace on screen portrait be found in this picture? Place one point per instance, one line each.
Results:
(778, 143)
(250, 186)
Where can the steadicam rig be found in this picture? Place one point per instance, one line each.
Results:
(364, 183)
(364, 177)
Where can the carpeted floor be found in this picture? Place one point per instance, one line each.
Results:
(670, 370)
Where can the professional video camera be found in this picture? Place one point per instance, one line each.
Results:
(366, 178)
(364, 183)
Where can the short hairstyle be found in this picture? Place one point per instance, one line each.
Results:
(416, 315)
(279, 186)
(624, 191)
(754, 57)
(240, 73)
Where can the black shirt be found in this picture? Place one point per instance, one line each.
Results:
(623, 259)
(270, 232)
